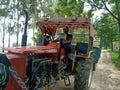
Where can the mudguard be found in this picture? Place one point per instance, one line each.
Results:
(97, 53)
(4, 60)
(4, 76)
(16, 71)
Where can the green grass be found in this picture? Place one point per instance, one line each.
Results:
(116, 61)
(0, 50)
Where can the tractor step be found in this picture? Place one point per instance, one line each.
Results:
(67, 80)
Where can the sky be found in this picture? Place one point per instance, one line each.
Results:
(96, 13)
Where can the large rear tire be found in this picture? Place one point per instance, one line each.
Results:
(83, 75)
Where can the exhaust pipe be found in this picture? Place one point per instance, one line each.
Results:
(24, 36)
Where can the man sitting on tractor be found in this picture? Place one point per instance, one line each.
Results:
(67, 45)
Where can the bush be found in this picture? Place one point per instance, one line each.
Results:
(116, 61)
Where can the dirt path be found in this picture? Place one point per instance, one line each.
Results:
(106, 76)
(61, 86)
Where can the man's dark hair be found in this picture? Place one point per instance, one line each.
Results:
(66, 27)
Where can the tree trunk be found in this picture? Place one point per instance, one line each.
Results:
(17, 33)
(9, 32)
(111, 45)
(3, 37)
(9, 40)
(33, 35)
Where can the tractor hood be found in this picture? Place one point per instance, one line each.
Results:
(32, 49)
(49, 25)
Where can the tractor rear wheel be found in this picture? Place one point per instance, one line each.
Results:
(83, 75)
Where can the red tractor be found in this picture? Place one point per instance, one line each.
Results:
(36, 67)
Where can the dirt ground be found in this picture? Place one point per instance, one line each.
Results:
(106, 76)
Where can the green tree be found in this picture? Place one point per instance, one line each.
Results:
(10, 32)
(107, 29)
(69, 7)
(4, 12)
(44, 8)
(111, 6)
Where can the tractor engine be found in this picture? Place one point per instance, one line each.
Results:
(45, 72)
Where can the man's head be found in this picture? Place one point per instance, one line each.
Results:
(65, 30)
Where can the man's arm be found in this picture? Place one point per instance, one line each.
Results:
(68, 40)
